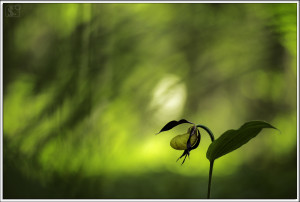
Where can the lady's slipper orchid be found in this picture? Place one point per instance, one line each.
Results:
(187, 141)
(226, 143)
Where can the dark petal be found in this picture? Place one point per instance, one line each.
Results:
(183, 154)
(184, 159)
(187, 151)
(198, 140)
(188, 143)
(172, 124)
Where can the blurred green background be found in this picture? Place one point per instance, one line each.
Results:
(87, 86)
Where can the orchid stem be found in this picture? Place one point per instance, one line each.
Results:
(209, 179)
(212, 162)
(208, 131)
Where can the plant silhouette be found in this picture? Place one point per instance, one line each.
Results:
(226, 143)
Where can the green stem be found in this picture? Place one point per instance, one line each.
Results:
(208, 131)
(209, 179)
(212, 162)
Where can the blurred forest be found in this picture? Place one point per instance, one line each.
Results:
(87, 86)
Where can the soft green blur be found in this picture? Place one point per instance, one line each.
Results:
(87, 87)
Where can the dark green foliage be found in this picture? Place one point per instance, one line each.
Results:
(172, 124)
(233, 139)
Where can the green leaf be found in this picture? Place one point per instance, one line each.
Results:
(233, 139)
(172, 124)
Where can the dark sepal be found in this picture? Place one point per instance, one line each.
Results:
(198, 140)
(188, 143)
(172, 124)
(187, 151)
(185, 154)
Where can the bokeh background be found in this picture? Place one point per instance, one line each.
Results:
(87, 86)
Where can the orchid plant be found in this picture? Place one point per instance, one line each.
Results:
(226, 143)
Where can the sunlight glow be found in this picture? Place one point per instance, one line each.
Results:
(169, 97)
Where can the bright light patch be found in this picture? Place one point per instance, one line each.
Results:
(169, 97)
